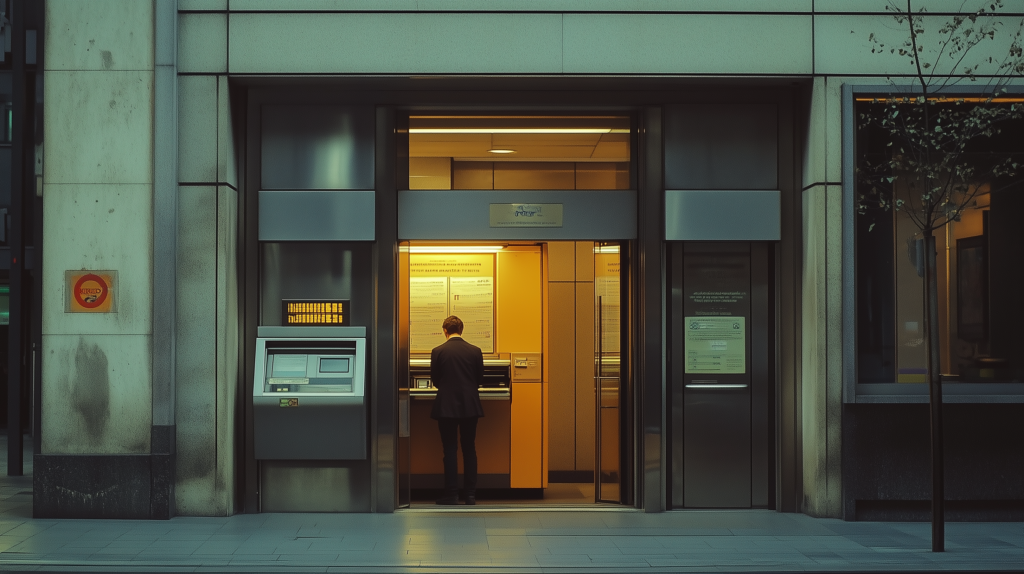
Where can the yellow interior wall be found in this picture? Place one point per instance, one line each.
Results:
(518, 300)
(561, 355)
(585, 406)
(430, 173)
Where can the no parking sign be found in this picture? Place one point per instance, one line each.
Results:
(90, 291)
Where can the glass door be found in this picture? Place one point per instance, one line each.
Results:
(607, 373)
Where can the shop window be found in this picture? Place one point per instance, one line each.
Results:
(519, 152)
(979, 268)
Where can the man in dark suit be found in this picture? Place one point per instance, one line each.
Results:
(457, 370)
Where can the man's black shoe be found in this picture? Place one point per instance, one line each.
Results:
(471, 500)
(448, 501)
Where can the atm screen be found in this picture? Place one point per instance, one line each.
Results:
(289, 365)
(334, 365)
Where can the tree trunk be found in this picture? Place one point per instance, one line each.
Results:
(931, 330)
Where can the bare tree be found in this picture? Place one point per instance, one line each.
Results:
(933, 169)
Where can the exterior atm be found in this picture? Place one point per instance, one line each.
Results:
(309, 400)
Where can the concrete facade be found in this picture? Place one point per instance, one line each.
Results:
(100, 67)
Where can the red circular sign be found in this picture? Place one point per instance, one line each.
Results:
(91, 299)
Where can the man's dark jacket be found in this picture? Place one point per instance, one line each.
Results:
(457, 370)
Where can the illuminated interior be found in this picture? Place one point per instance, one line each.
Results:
(519, 152)
(547, 313)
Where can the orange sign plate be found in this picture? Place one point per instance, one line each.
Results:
(90, 291)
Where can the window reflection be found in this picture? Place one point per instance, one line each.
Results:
(979, 275)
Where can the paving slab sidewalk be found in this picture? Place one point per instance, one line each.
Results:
(483, 539)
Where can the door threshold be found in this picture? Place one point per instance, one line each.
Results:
(521, 508)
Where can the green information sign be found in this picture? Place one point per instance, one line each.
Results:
(716, 345)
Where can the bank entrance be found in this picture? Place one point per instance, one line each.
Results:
(551, 235)
(499, 230)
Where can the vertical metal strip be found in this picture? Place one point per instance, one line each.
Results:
(165, 235)
(384, 397)
(789, 304)
(250, 285)
(849, 337)
(674, 370)
(598, 363)
(165, 209)
(762, 380)
(649, 265)
(18, 315)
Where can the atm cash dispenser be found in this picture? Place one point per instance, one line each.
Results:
(308, 397)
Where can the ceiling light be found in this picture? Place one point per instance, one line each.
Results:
(501, 151)
(518, 130)
(455, 248)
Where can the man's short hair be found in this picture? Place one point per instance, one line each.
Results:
(452, 325)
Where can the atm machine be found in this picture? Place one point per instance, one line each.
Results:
(309, 400)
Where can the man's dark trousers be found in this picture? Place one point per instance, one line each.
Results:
(451, 431)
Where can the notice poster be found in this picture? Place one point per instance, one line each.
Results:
(606, 291)
(443, 284)
(472, 300)
(428, 307)
(715, 345)
(451, 265)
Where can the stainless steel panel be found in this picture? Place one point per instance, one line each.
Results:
(722, 215)
(675, 373)
(309, 486)
(762, 374)
(716, 405)
(721, 146)
(849, 289)
(316, 271)
(717, 445)
(387, 377)
(300, 425)
(647, 297)
(598, 215)
(320, 428)
(317, 215)
(310, 332)
(608, 383)
(317, 147)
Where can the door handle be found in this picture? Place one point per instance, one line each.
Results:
(717, 386)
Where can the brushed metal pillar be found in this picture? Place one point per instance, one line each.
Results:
(384, 398)
(647, 298)
(250, 272)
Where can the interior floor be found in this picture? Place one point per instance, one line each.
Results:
(563, 493)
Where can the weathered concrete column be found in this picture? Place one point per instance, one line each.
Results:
(821, 313)
(97, 385)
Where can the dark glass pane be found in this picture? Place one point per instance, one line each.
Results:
(721, 146)
(301, 270)
(317, 147)
(978, 259)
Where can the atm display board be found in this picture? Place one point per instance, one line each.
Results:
(292, 370)
(315, 312)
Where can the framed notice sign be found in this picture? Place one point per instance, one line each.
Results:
(90, 291)
(716, 345)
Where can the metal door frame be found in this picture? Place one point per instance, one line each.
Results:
(763, 361)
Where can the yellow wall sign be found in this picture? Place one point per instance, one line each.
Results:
(90, 291)
(451, 265)
(315, 312)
